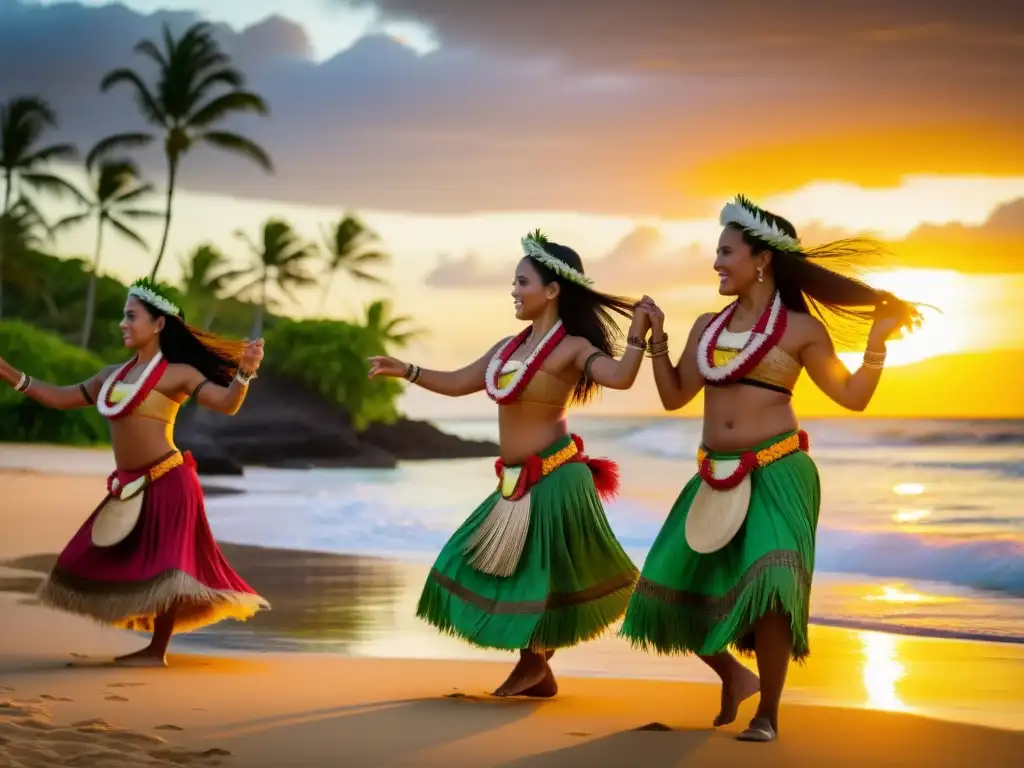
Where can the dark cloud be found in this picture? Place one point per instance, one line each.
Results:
(486, 124)
(751, 37)
(638, 260)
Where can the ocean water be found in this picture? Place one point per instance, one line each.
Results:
(921, 529)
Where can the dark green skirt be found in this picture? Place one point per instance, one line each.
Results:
(572, 581)
(687, 602)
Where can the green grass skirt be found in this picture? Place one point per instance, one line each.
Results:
(572, 581)
(687, 602)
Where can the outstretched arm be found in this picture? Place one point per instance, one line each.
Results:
(677, 384)
(63, 398)
(617, 374)
(464, 381)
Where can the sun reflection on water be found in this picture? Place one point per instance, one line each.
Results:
(882, 671)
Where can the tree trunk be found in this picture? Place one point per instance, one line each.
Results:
(90, 294)
(261, 310)
(172, 174)
(327, 289)
(7, 208)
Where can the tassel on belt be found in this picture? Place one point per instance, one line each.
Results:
(497, 545)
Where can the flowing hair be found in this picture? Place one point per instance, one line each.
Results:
(584, 312)
(213, 356)
(826, 281)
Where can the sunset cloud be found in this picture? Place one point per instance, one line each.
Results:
(640, 109)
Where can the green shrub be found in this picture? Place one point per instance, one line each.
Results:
(45, 357)
(330, 358)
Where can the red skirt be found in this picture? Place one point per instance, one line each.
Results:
(170, 560)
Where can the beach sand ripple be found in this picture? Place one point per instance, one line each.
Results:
(30, 738)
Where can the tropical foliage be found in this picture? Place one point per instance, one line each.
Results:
(62, 313)
(196, 89)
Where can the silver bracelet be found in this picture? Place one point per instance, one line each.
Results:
(23, 383)
(244, 378)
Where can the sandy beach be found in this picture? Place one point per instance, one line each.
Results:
(245, 708)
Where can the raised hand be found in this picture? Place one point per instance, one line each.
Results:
(252, 356)
(892, 319)
(387, 366)
(657, 316)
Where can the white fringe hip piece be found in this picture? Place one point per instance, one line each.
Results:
(497, 545)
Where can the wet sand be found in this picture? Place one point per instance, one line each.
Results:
(235, 704)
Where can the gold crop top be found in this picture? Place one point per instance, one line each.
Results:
(154, 406)
(777, 371)
(543, 388)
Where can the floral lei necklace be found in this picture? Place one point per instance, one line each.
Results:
(137, 392)
(765, 334)
(522, 377)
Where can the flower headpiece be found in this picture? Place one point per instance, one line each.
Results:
(754, 220)
(533, 246)
(150, 292)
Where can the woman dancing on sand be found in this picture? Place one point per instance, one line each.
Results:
(536, 567)
(732, 565)
(145, 559)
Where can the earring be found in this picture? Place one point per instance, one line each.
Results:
(760, 274)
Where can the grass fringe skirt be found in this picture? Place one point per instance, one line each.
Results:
(687, 602)
(572, 581)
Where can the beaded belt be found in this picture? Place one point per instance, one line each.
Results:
(124, 485)
(515, 482)
(749, 461)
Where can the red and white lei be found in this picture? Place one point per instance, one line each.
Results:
(147, 381)
(766, 334)
(530, 366)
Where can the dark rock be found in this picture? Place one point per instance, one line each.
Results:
(408, 439)
(285, 424)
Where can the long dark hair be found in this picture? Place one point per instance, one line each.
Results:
(584, 312)
(825, 281)
(213, 356)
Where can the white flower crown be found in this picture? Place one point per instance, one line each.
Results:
(154, 299)
(535, 250)
(744, 213)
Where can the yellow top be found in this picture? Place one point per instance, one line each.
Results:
(542, 389)
(778, 370)
(154, 406)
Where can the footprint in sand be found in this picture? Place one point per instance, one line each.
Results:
(113, 697)
(6, 689)
(48, 697)
(124, 685)
(578, 734)
(168, 727)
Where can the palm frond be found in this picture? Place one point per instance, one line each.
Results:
(72, 220)
(117, 142)
(127, 232)
(226, 104)
(150, 50)
(239, 145)
(148, 104)
(51, 154)
(54, 185)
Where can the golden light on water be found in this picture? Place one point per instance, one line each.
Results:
(895, 593)
(910, 515)
(908, 489)
(882, 671)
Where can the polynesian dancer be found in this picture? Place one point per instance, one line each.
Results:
(146, 559)
(732, 564)
(537, 567)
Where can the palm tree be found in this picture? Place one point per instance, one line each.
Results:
(388, 328)
(22, 233)
(183, 105)
(23, 122)
(115, 188)
(281, 259)
(352, 248)
(205, 275)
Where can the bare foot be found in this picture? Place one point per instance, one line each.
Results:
(147, 657)
(545, 689)
(739, 687)
(530, 671)
(760, 729)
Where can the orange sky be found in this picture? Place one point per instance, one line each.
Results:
(843, 122)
